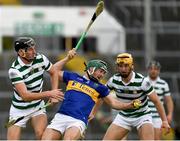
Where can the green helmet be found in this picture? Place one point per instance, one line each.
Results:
(97, 64)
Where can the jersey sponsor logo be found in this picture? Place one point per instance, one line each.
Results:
(77, 86)
(96, 85)
(118, 90)
(40, 69)
(126, 91)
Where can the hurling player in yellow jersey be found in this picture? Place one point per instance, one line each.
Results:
(128, 86)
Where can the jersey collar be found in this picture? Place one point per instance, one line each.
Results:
(22, 63)
(131, 80)
(154, 81)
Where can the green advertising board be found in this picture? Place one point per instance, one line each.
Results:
(36, 28)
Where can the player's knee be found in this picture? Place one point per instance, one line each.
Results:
(39, 134)
(69, 138)
(72, 137)
(11, 135)
(44, 136)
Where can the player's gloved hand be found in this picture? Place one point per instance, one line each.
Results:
(166, 127)
(137, 103)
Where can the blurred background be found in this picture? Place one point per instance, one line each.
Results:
(149, 29)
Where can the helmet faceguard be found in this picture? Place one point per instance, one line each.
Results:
(24, 43)
(125, 58)
(95, 64)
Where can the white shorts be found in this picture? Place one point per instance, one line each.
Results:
(128, 123)
(62, 122)
(157, 122)
(16, 113)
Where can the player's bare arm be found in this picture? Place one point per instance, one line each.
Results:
(115, 104)
(154, 98)
(60, 64)
(170, 108)
(54, 77)
(30, 96)
(95, 109)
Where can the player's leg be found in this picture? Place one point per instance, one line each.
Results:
(145, 127)
(125, 137)
(115, 132)
(118, 129)
(75, 129)
(39, 121)
(51, 134)
(56, 128)
(146, 132)
(157, 128)
(39, 124)
(14, 133)
(157, 133)
(72, 133)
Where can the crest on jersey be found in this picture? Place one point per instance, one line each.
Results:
(148, 84)
(32, 71)
(26, 76)
(96, 85)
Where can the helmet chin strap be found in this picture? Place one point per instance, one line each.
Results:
(90, 75)
(29, 60)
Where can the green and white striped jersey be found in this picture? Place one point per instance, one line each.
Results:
(137, 88)
(31, 75)
(162, 89)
